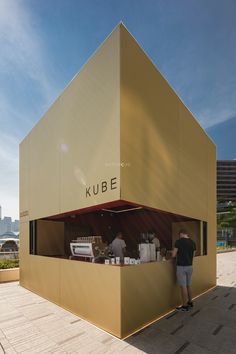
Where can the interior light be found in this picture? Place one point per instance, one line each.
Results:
(121, 211)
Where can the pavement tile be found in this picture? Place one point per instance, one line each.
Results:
(5, 345)
(131, 350)
(30, 324)
(9, 351)
(196, 349)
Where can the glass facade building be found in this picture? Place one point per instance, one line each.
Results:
(226, 180)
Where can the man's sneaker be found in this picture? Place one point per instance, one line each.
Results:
(183, 308)
(190, 303)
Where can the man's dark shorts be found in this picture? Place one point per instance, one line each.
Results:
(184, 275)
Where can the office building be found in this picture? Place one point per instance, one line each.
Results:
(226, 181)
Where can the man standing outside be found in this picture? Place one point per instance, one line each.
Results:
(184, 249)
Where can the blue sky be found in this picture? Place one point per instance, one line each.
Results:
(44, 43)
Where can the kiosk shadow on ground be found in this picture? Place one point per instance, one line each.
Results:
(210, 327)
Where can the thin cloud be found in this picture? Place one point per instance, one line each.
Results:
(211, 99)
(197, 53)
(23, 61)
(9, 175)
(8, 145)
(21, 46)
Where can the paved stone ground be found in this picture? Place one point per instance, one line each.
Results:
(30, 324)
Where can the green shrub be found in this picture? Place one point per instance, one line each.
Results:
(9, 263)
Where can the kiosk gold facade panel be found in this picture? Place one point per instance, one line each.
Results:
(117, 139)
(76, 145)
(164, 147)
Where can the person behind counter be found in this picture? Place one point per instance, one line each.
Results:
(118, 246)
(184, 251)
(156, 241)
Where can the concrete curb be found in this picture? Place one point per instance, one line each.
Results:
(10, 274)
(226, 251)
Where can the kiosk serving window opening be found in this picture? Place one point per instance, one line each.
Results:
(88, 236)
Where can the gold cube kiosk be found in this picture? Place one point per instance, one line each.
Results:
(117, 151)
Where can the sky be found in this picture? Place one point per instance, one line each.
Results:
(44, 43)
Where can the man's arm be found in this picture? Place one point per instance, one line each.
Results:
(124, 247)
(174, 252)
(194, 249)
(175, 249)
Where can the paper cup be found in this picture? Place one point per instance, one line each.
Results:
(126, 260)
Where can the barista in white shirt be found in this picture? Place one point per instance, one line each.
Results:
(156, 241)
(118, 246)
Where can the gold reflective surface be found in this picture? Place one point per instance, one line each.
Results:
(117, 118)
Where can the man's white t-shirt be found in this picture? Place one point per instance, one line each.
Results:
(156, 242)
(117, 247)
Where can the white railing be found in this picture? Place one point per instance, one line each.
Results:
(9, 255)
